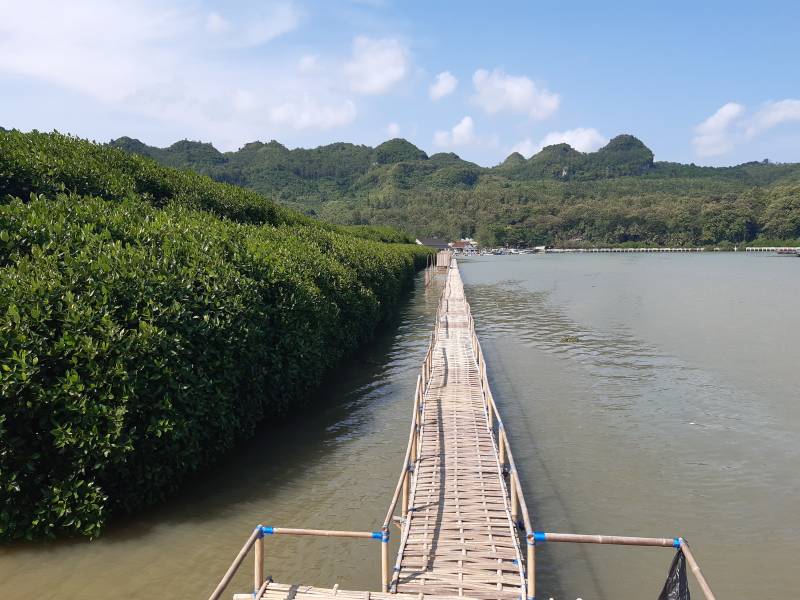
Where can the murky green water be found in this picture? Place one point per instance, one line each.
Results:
(676, 411)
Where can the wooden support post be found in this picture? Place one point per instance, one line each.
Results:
(404, 504)
(514, 499)
(531, 565)
(258, 564)
(503, 443)
(385, 564)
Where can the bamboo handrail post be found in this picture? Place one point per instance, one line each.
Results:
(258, 563)
(514, 500)
(503, 443)
(385, 560)
(404, 505)
(698, 574)
(530, 565)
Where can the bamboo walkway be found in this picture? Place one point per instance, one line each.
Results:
(459, 538)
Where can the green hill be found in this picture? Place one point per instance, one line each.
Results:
(618, 194)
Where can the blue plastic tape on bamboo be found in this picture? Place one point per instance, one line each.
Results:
(676, 543)
(266, 531)
(539, 536)
(377, 535)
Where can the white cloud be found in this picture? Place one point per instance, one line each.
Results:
(255, 26)
(716, 134)
(308, 63)
(376, 65)
(173, 63)
(393, 129)
(461, 134)
(270, 21)
(444, 85)
(730, 126)
(308, 113)
(497, 91)
(216, 24)
(582, 139)
(526, 147)
(773, 114)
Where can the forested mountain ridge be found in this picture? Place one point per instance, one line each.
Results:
(617, 194)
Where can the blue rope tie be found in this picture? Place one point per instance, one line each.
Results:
(377, 535)
(676, 543)
(264, 530)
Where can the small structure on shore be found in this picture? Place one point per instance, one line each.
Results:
(433, 242)
(464, 246)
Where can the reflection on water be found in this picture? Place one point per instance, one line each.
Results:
(333, 465)
(635, 394)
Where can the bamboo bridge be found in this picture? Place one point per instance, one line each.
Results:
(465, 530)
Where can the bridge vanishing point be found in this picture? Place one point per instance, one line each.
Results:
(465, 529)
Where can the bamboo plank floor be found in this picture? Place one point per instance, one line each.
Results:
(282, 591)
(459, 538)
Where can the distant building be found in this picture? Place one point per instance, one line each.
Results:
(464, 246)
(435, 243)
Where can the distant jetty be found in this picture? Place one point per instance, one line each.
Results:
(590, 250)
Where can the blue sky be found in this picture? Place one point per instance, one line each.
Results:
(706, 82)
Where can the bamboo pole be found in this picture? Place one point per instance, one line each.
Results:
(385, 563)
(226, 579)
(404, 504)
(258, 563)
(398, 488)
(619, 540)
(514, 500)
(503, 443)
(531, 567)
(696, 570)
(322, 532)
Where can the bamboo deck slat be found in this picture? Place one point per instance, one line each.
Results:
(459, 538)
(282, 591)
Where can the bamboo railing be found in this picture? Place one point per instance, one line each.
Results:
(509, 467)
(401, 492)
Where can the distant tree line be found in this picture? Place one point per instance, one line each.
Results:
(617, 195)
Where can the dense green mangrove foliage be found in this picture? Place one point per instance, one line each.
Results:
(141, 337)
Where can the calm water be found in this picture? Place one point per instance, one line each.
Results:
(645, 395)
